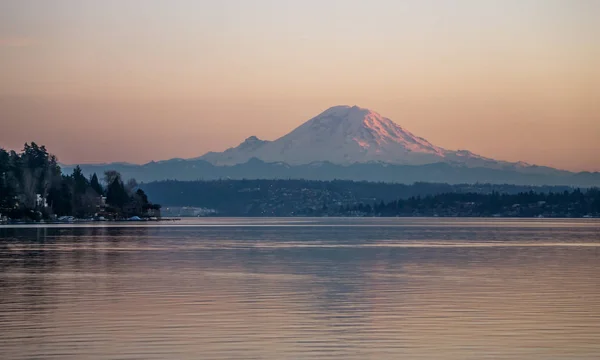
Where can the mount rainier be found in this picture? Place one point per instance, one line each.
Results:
(351, 143)
(345, 135)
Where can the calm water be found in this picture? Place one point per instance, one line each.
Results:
(302, 289)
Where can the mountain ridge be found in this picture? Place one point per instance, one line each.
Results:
(375, 172)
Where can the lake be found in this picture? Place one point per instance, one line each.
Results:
(302, 289)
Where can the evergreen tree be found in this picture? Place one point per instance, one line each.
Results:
(61, 198)
(141, 195)
(7, 193)
(80, 183)
(95, 184)
(116, 195)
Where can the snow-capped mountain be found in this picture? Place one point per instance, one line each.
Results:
(348, 143)
(345, 135)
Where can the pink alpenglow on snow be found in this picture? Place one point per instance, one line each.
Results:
(345, 135)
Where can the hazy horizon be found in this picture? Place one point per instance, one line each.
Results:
(136, 81)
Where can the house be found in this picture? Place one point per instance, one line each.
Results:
(40, 201)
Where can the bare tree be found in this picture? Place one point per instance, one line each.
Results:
(29, 186)
(110, 176)
(131, 185)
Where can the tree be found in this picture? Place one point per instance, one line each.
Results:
(95, 184)
(82, 204)
(61, 198)
(116, 195)
(80, 183)
(138, 203)
(7, 190)
(131, 185)
(88, 203)
(37, 170)
(110, 176)
(140, 194)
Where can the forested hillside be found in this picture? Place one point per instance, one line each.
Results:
(349, 198)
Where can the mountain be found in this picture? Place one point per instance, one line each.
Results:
(349, 143)
(346, 135)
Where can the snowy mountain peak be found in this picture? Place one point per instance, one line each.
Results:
(350, 112)
(353, 114)
(344, 135)
(368, 129)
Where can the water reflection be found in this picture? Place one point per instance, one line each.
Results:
(317, 289)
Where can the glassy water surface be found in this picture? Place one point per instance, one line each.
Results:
(302, 289)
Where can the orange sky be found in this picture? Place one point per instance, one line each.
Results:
(149, 80)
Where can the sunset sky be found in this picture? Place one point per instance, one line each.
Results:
(101, 81)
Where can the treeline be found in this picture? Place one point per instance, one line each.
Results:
(574, 203)
(32, 187)
(221, 194)
(350, 198)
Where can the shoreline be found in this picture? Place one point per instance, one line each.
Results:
(84, 221)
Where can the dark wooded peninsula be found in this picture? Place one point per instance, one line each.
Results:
(33, 188)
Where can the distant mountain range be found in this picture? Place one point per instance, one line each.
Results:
(349, 143)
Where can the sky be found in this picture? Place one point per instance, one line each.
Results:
(141, 80)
